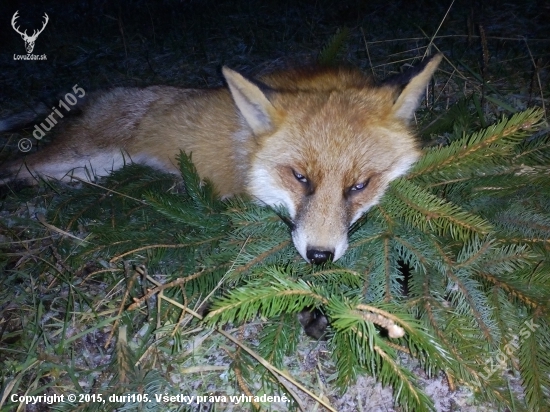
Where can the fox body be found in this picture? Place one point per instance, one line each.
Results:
(322, 143)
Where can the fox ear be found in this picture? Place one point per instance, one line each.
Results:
(252, 102)
(417, 80)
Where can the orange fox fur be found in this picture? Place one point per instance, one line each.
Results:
(322, 143)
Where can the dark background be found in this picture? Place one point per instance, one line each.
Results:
(101, 44)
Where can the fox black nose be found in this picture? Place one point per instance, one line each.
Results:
(319, 256)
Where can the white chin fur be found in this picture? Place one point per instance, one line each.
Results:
(301, 244)
(265, 191)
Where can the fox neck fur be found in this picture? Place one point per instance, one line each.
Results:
(322, 143)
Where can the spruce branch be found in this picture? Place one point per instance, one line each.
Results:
(354, 330)
(526, 221)
(534, 151)
(516, 289)
(427, 212)
(199, 218)
(465, 370)
(442, 271)
(488, 145)
(279, 338)
(200, 193)
(366, 350)
(407, 393)
(534, 364)
(381, 318)
(466, 297)
(270, 296)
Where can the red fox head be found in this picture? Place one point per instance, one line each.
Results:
(325, 144)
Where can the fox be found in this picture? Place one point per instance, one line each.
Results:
(322, 143)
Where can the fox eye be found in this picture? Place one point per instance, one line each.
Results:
(360, 186)
(300, 177)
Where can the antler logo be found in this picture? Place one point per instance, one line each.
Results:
(29, 40)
